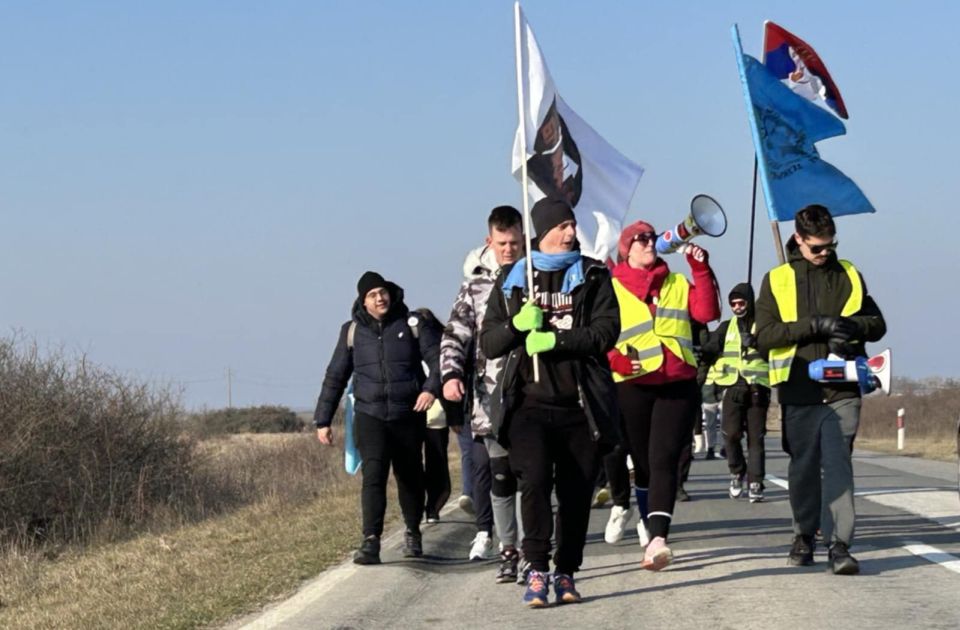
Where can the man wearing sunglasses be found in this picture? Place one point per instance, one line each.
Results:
(810, 307)
(742, 369)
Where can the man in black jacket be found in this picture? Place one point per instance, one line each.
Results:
(552, 426)
(742, 369)
(808, 308)
(384, 346)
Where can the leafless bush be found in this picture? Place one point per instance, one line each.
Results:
(82, 445)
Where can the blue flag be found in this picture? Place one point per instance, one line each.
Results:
(785, 127)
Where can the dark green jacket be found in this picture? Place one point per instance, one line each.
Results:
(820, 291)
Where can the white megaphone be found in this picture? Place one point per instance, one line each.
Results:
(706, 217)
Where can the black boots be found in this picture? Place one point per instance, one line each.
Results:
(841, 562)
(801, 553)
(412, 544)
(369, 551)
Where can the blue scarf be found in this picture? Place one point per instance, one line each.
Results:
(571, 261)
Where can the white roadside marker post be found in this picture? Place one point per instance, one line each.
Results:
(901, 431)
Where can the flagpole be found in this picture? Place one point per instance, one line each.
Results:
(523, 170)
(774, 225)
(753, 223)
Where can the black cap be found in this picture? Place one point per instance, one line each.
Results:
(550, 212)
(369, 281)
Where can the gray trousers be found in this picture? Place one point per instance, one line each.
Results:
(506, 507)
(818, 439)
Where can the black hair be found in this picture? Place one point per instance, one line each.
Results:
(815, 220)
(504, 218)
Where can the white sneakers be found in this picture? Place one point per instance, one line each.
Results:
(617, 524)
(482, 548)
(643, 533)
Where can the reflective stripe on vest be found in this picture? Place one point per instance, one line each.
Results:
(645, 333)
(732, 365)
(783, 285)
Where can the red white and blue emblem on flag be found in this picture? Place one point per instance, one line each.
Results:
(797, 64)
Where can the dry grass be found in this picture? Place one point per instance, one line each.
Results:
(204, 573)
(943, 450)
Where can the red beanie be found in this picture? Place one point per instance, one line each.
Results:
(629, 234)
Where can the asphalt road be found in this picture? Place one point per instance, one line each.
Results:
(730, 567)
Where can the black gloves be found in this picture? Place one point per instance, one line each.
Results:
(827, 327)
(748, 340)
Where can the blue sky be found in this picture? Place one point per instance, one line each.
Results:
(189, 186)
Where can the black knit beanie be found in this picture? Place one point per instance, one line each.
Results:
(550, 212)
(369, 281)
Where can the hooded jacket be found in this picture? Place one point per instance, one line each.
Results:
(595, 327)
(713, 348)
(821, 290)
(385, 361)
(460, 354)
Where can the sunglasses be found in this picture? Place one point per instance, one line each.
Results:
(817, 249)
(736, 303)
(645, 238)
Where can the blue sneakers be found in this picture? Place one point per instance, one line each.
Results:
(538, 588)
(564, 588)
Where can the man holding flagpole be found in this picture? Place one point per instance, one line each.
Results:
(553, 425)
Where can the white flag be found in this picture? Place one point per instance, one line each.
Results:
(566, 156)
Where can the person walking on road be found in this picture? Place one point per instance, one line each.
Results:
(555, 427)
(815, 305)
(467, 373)
(742, 369)
(383, 346)
(656, 371)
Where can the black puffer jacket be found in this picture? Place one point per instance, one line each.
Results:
(821, 290)
(385, 361)
(596, 326)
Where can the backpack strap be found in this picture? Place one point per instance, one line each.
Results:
(351, 330)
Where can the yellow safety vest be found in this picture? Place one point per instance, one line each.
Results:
(783, 285)
(733, 363)
(713, 374)
(645, 333)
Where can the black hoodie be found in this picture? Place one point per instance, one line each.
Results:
(385, 361)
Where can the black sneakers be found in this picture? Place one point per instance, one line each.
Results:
(682, 494)
(507, 571)
(369, 551)
(412, 544)
(801, 553)
(841, 562)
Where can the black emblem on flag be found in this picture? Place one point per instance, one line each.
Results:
(555, 165)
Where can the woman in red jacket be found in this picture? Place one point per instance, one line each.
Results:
(656, 371)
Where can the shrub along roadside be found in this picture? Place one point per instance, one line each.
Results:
(83, 446)
(208, 572)
(264, 419)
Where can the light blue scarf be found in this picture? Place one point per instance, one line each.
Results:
(571, 261)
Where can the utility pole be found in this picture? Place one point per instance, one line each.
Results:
(229, 388)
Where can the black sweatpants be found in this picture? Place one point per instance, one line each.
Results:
(547, 446)
(615, 473)
(743, 410)
(397, 443)
(436, 469)
(482, 484)
(658, 421)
